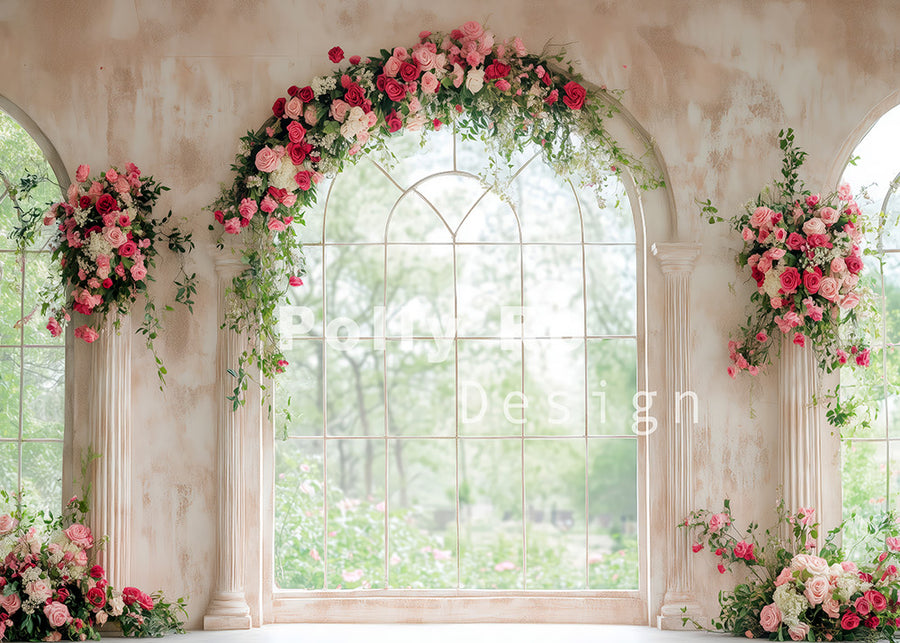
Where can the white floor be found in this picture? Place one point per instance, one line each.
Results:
(493, 633)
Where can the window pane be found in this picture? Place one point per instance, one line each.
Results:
(420, 291)
(354, 391)
(43, 396)
(37, 276)
(422, 482)
(10, 298)
(490, 388)
(355, 514)
(489, 291)
(354, 284)
(555, 525)
(547, 206)
(302, 382)
(612, 493)
(42, 475)
(421, 392)
(414, 220)
(490, 504)
(612, 284)
(417, 158)
(359, 203)
(9, 393)
(612, 386)
(891, 296)
(554, 387)
(303, 317)
(9, 466)
(607, 214)
(452, 196)
(492, 221)
(554, 291)
(864, 477)
(314, 217)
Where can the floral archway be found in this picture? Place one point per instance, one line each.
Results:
(468, 79)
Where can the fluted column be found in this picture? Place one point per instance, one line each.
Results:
(228, 609)
(800, 439)
(677, 263)
(110, 417)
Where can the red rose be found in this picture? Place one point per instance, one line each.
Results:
(575, 95)
(128, 249)
(790, 280)
(62, 594)
(854, 264)
(98, 572)
(220, 216)
(278, 107)
(794, 241)
(872, 622)
(335, 54)
(106, 204)
(849, 621)
(355, 95)
(145, 601)
(812, 280)
(818, 241)
(303, 180)
(84, 202)
(496, 70)
(298, 152)
(552, 97)
(395, 90)
(279, 194)
(96, 597)
(758, 275)
(306, 94)
(354, 60)
(130, 594)
(293, 90)
(409, 72)
(107, 283)
(862, 358)
(393, 122)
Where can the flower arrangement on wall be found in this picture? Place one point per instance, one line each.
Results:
(804, 251)
(53, 590)
(795, 592)
(105, 243)
(486, 88)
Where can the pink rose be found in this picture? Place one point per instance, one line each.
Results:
(790, 280)
(10, 603)
(849, 621)
(849, 301)
(770, 617)
(339, 110)
(744, 550)
(862, 605)
(838, 265)
(717, 521)
(828, 288)
(114, 236)
(232, 225)
(747, 234)
(761, 337)
(82, 173)
(304, 179)
(761, 217)
(471, 30)
(831, 607)
(845, 193)
(267, 160)
(862, 358)
(780, 234)
(795, 241)
(893, 543)
(696, 547)
(293, 109)
(276, 225)
(812, 280)
(55, 331)
(247, 208)
(854, 264)
(128, 249)
(87, 333)
(829, 216)
(296, 132)
(876, 600)
(138, 272)
(799, 339)
(268, 204)
(799, 632)
(295, 281)
(311, 115)
(7, 522)
(785, 576)
(80, 535)
(424, 58)
(812, 200)
(817, 589)
(145, 601)
(814, 226)
(392, 66)
(57, 614)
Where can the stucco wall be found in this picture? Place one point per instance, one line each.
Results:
(172, 85)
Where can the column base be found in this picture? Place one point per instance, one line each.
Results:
(227, 611)
(675, 609)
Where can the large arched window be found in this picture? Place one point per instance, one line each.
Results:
(871, 449)
(32, 364)
(463, 375)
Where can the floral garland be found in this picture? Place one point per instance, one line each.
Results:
(497, 91)
(804, 251)
(51, 588)
(793, 590)
(104, 247)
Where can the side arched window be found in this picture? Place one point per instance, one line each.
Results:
(32, 363)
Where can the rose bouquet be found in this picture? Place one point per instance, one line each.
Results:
(793, 590)
(486, 88)
(104, 248)
(804, 251)
(52, 590)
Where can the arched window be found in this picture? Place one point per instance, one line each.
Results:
(464, 366)
(871, 449)
(32, 364)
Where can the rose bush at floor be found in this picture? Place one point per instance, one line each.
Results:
(796, 590)
(50, 588)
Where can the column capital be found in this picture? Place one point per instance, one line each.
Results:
(676, 256)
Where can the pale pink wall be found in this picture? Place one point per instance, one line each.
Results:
(172, 85)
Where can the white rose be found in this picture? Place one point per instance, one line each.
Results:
(475, 80)
(814, 226)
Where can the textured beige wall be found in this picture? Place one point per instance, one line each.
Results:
(171, 85)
